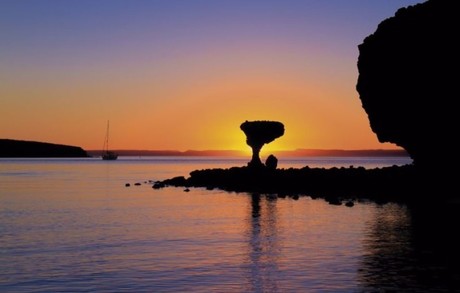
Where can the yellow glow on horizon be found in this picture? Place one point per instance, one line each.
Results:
(204, 116)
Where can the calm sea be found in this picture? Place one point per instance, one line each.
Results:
(71, 225)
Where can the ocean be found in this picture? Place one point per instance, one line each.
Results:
(72, 225)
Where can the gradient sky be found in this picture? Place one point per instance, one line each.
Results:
(184, 74)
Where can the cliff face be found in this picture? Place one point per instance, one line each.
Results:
(408, 79)
(31, 149)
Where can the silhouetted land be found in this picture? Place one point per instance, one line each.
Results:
(407, 81)
(407, 85)
(10, 148)
(335, 184)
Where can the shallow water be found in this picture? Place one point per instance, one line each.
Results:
(71, 225)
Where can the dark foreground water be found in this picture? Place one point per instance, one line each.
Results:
(71, 225)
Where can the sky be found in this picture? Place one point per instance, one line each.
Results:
(184, 74)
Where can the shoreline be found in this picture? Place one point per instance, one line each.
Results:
(400, 184)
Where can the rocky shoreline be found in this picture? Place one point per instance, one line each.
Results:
(402, 184)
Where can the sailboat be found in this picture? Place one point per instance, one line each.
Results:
(108, 155)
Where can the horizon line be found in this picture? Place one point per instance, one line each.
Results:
(291, 153)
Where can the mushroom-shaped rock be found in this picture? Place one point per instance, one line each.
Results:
(259, 133)
(408, 83)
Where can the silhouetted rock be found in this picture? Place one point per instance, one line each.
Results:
(407, 84)
(176, 181)
(10, 148)
(335, 185)
(408, 81)
(259, 133)
(349, 203)
(271, 162)
(158, 185)
(333, 200)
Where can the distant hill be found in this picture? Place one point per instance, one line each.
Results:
(10, 148)
(191, 153)
(343, 153)
(234, 153)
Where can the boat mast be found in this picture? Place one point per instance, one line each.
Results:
(106, 141)
(106, 154)
(107, 135)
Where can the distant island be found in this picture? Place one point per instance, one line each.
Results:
(10, 148)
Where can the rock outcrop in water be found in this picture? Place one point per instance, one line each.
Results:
(259, 133)
(10, 148)
(408, 80)
(335, 184)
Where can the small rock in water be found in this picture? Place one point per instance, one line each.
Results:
(349, 204)
(158, 185)
(186, 190)
(333, 200)
(127, 185)
(271, 196)
(137, 184)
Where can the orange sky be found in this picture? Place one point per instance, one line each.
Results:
(174, 77)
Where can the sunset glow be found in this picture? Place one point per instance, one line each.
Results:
(185, 74)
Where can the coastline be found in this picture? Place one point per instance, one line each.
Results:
(401, 184)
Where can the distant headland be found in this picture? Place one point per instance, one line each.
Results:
(10, 148)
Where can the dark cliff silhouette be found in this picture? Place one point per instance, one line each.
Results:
(259, 133)
(10, 148)
(408, 81)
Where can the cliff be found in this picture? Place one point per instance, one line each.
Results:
(32, 149)
(407, 81)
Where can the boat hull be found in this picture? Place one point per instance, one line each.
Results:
(109, 156)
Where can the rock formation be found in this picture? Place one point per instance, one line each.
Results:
(271, 162)
(259, 133)
(408, 80)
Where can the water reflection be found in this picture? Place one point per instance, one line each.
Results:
(388, 260)
(436, 243)
(411, 249)
(263, 245)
